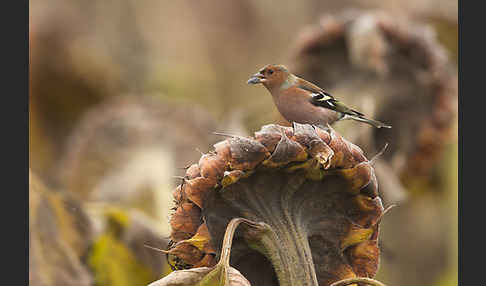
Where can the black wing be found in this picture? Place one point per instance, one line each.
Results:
(321, 98)
(326, 100)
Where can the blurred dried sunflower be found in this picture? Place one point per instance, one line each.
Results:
(395, 70)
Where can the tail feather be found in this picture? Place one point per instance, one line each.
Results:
(372, 122)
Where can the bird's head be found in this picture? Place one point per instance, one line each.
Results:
(270, 76)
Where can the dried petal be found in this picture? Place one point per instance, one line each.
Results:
(356, 234)
(269, 136)
(304, 134)
(322, 152)
(368, 210)
(286, 151)
(358, 177)
(185, 221)
(187, 252)
(197, 188)
(193, 172)
(177, 194)
(231, 177)
(201, 240)
(364, 258)
(212, 166)
(246, 153)
(342, 158)
(223, 150)
(325, 136)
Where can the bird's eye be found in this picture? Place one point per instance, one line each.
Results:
(270, 71)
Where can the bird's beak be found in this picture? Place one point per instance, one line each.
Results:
(256, 78)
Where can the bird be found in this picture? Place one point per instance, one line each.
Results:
(303, 102)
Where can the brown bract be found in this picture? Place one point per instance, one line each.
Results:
(316, 192)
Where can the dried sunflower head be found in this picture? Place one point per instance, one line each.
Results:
(316, 191)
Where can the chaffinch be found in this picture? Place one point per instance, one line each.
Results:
(303, 102)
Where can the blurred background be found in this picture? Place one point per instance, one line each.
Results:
(125, 94)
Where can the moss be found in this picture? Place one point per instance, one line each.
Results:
(65, 218)
(117, 221)
(114, 264)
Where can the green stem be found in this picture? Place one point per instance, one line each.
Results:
(289, 252)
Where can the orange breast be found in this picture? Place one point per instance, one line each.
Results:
(294, 105)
